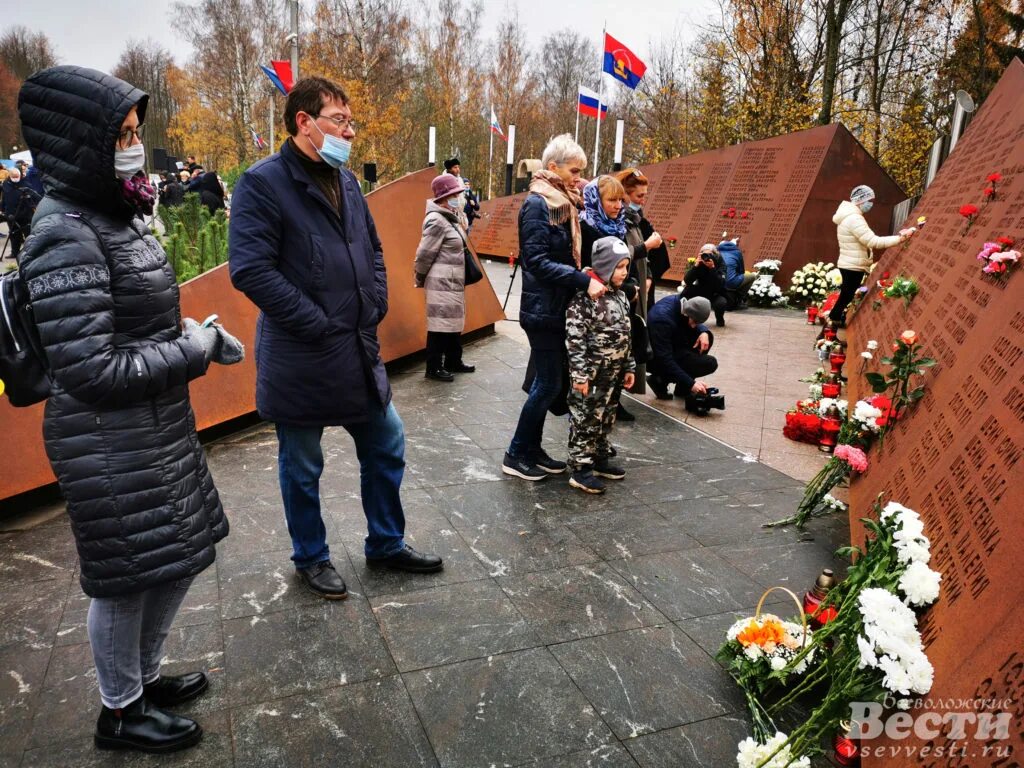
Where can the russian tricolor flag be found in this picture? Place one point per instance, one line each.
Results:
(280, 75)
(496, 126)
(588, 103)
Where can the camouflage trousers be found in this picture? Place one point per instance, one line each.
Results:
(591, 418)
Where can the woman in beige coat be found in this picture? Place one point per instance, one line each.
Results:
(441, 268)
(857, 244)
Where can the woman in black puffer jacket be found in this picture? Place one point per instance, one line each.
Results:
(118, 426)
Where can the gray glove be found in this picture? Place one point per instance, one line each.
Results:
(208, 337)
(231, 349)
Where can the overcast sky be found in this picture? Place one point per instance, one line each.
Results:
(92, 33)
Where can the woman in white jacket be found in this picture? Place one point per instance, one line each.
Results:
(857, 244)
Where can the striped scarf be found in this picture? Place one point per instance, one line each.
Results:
(563, 204)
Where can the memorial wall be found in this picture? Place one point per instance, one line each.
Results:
(958, 457)
(778, 195)
(226, 393)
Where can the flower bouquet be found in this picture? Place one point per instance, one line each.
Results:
(998, 256)
(812, 283)
(765, 293)
(768, 266)
(846, 459)
(871, 650)
(899, 287)
(803, 426)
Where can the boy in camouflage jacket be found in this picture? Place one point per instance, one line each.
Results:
(598, 341)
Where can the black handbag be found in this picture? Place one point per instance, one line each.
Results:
(473, 272)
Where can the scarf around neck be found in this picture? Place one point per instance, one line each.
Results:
(594, 215)
(562, 203)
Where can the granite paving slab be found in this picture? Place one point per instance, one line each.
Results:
(452, 623)
(580, 601)
(648, 679)
(705, 744)
(362, 725)
(504, 710)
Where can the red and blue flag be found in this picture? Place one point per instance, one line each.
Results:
(621, 63)
(280, 75)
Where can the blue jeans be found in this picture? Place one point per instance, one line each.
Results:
(547, 384)
(127, 636)
(380, 448)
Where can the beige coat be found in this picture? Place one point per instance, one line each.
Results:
(441, 268)
(856, 240)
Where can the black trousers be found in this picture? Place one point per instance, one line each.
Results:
(851, 282)
(444, 350)
(17, 234)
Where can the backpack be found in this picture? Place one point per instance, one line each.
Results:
(22, 359)
(23, 366)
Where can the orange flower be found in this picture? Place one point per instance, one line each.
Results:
(909, 338)
(754, 633)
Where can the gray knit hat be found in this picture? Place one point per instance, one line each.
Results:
(697, 309)
(862, 194)
(607, 253)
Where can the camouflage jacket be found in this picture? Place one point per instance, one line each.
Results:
(597, 335)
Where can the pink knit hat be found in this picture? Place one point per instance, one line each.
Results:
(446, 185)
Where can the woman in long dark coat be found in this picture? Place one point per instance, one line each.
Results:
(118, 427)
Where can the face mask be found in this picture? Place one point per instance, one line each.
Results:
(865, 207)
(128, 162)
(635, 206)
(455, 203)
(335, 151)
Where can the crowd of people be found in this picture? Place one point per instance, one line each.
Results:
(118, 425)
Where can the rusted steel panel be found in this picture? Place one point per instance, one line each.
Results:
(778, 194)
(225, 393)
(957, 457)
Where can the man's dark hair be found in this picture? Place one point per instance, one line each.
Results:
(309, 95)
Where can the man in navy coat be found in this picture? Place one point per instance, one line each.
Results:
(303, 247)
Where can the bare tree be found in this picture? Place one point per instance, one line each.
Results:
(25, 52)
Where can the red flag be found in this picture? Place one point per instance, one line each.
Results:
(283, 69)
(621, 63)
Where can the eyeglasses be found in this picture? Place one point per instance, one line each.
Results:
(341, 122)
(124, 138)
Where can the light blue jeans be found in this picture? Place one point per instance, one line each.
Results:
(127, 636)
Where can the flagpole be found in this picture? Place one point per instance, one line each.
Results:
(490, 155)
(600, 93)
(577, 137)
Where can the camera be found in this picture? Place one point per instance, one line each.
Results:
(701, 404)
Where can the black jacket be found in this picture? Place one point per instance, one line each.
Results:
(118, 427)
(550, 277)
(703, 281)
(672, 340)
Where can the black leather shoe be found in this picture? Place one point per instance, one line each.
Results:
(322, 579)
(440, 375)
(461, 368)
(146, 728)
(408, 559)
(623, 415)
(169, 690)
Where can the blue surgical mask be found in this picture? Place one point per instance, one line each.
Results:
(865, 207)
(455, 202)
(635, 206)
(335, 151)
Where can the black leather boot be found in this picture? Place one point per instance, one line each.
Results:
(169, 690)
(143, 727)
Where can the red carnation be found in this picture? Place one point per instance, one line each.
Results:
(885, 275)
(744, 214)
(725, 214)
(994, 178)
(967, 211)
(1007, 241)
(989, 192)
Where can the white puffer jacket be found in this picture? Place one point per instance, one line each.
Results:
(856, 240)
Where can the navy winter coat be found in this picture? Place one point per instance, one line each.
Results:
(318, 277)
(672, 339)
(550, 277)
(118, 427)
(732, 256)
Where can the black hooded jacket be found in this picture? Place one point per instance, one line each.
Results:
(118, 426)
(210, 193)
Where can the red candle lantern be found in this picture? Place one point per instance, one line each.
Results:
(829, 434)
(831, 389)
(836, 360)
(847, 750)
(812, 314)
(813, 597)
(830, 333)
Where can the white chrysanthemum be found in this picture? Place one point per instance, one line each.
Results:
(920, 584)
(866, 414)
(872, 345)
(750, 754)
(894, 507)
(777, 663)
